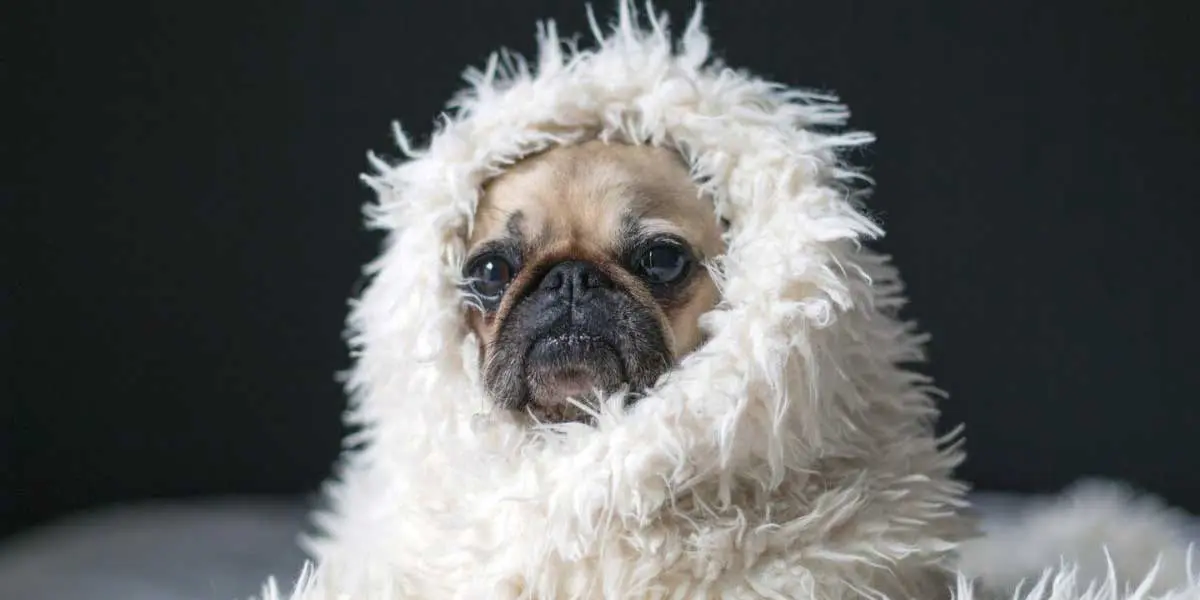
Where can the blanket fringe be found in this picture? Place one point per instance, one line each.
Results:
(1111, 543)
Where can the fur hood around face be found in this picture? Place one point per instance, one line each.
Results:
(793, 455)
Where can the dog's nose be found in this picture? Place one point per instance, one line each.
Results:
(573, 278)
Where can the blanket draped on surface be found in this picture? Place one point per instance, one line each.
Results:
(793, 455)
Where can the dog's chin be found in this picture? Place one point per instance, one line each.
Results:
(566, 374)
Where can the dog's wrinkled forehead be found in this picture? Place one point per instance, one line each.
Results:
(592, 196)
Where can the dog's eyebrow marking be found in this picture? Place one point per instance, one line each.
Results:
(515, 233)
(638, 228)
(513, 226)
(629, 233)
(631, 225)
(655, 226)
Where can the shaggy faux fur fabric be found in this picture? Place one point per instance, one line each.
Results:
(792, 456)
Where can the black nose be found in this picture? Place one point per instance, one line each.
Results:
(574, 278)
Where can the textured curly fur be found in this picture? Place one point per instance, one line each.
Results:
(792, 456)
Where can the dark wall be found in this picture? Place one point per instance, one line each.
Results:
(186, 223)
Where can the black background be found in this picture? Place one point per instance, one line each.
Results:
(186, 227)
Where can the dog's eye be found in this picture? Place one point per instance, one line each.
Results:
(490, 275)
(663, 263)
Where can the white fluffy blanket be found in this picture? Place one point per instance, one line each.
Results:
(792, 456)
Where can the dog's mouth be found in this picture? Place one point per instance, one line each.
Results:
(564, 372)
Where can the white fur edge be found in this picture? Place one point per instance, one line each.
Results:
(1055, 584)
(811, 329)
(1061, 583)
(1142, 555)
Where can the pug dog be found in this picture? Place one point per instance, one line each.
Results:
(586, 273)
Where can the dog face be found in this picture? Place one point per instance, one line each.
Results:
(585, 273)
